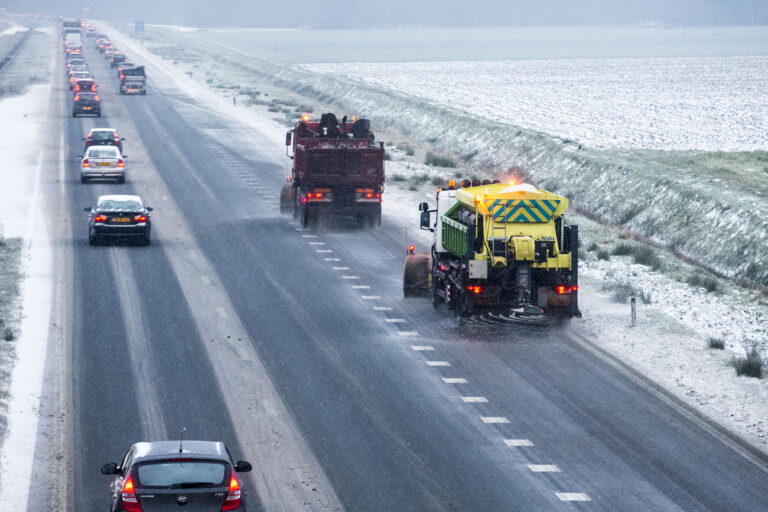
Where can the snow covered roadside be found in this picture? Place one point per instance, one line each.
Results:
(669, 343)
(22, 120)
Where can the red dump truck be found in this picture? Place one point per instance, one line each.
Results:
(338, 170)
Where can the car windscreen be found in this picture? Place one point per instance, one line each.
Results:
(81, 75)
(108, 152)
(128, 205)
(181, 474)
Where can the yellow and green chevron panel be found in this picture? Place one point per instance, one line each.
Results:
(522, 210)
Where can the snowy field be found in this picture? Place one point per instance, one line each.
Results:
(715, 104)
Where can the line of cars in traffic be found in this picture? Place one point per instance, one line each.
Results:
(158, 475)
(113, 216)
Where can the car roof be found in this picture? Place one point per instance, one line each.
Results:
(190, 448)
(103, 130)
(124, 197)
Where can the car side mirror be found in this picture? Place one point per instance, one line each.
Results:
(425, 220)
(243, 466)
(423, 207)
(88, 209)
(149, 208)
(109, 469)
(122, 138)
(125, 156)
(79, 156)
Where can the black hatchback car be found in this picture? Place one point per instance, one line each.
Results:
(116, 59)
(119, 217)
(86, 103)
(165, 475)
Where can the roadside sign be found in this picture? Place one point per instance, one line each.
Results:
(138, 26)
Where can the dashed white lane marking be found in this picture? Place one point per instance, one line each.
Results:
(301, 229)
(422, 347)
(340, 268)
(494, 419)
(395, 320)
(350, 277)
(517, 442)
(360, 286)
(572, 496)
(455, 380)
(316, 243)
(323, 250)
(407, 333)
(332, 259)
(381, 308)
(543, 468)
(306, 236)
(438, 363)
(369, 297)
(474, 399)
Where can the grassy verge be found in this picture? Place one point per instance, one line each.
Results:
(10, 283)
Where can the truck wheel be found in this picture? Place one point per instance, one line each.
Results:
(306, 217)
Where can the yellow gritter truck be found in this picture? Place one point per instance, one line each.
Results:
(498, 248)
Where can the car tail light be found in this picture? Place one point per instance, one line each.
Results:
(233, 496)
(95, 98)
(130, 502)
(77, 97)
(77, 87)
(100, 218)
(140, 218)
(120, 163)
(86, 163)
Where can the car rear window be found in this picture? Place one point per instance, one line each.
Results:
(181, 474)
(118, 204)
(109, 152)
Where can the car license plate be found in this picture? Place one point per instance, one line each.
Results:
(86, 108)
(121, 219)
(103, 164)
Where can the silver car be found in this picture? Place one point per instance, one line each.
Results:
(102, 162)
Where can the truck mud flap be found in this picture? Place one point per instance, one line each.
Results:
(286, 198)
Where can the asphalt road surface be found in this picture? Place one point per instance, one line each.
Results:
(297, 349)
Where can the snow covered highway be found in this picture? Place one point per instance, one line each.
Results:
(296, 348)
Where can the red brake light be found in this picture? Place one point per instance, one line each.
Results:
(411, 248)
(130, 502)
(102, 218)
(95, 98)
(77, 97)
(369, 195)
(77, 87)
(140, 218)
(86, 163)
(475, 289)
(560, 290)
(120, 163)
(233, 496)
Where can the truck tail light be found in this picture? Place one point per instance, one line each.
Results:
(100, 218)
(129, 499)
(563, 290)
(411, 248)
(233, 496)
(475, 289)
(95, 98)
